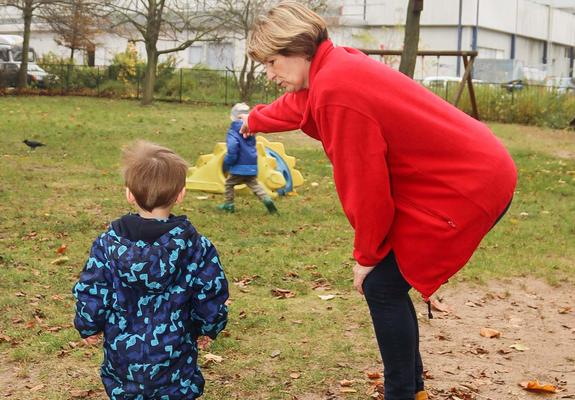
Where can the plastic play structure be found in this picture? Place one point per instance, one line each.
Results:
(276, 170)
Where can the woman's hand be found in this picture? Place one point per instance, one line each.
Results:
(245, 130)
(359, 274)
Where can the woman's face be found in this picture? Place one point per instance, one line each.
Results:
(289, 72)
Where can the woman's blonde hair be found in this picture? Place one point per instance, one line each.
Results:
(154, 174)
(288, 29)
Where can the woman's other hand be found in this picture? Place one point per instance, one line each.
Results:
(359, 274)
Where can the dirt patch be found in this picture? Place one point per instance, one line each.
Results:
(537, 342)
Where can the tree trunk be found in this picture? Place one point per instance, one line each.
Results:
(411, 39)
(23, 72)
(72, 55)
(150, 75)
(246, 80)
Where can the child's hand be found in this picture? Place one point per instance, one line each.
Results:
(93, 340)
(204, 342)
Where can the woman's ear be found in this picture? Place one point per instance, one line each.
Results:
(181, 195)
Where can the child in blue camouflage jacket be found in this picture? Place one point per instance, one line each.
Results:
(152, 285)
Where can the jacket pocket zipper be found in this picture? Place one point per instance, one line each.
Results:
(428, 211)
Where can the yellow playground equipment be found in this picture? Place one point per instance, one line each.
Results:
(276, 170)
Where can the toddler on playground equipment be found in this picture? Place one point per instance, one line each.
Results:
(241, 162)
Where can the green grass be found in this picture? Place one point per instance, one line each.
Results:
(67, 193)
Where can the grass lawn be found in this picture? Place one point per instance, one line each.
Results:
(67, 193)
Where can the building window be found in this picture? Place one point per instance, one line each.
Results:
(220, 55)
(4, 56)
(195, 55)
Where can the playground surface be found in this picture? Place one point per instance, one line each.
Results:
(297, 329)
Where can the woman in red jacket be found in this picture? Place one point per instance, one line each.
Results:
(420, 181)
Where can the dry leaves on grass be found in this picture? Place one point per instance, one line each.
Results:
(62, 249)
(60, 260)
(282, 293)
(81, 394)
(243, 283)
(212, 358)
(535, 386)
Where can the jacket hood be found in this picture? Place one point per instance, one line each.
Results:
(150, 266)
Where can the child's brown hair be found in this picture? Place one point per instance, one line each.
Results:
(154, 174)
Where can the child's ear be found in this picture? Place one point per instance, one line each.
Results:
(130, 197)
(181, 196)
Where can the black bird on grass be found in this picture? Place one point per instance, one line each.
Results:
(33, 144)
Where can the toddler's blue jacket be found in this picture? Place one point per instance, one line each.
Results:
(152, 300)
(242, 156)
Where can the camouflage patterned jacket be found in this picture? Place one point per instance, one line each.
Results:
(152, 300)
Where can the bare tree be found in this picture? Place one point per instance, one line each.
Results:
(29, 9)
(411, 39)
(75, 24)
(153, 21)
(237, 18)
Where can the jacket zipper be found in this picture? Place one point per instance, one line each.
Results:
(429, 211)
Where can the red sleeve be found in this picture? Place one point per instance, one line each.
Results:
(284, 114)
(357, 149)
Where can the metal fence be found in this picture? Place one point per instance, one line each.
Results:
(172, 84)
(514, 102)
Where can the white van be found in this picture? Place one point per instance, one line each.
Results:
(10, 58)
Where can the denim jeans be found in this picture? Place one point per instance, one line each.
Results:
(396, 329)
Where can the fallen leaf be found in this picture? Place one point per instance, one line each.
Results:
(374, 375)
(347, 390)
(60, 261)
(282, 293)
(204, 342)
(326, 296)
(565, 310)
(346, 382)
(62, 249)
(321, 284)
(20, 294)
(5, 338)
(535, 386)
(294, 375)
(489, 333)
(213, 358)
(202, 197)
(519, 347)
(275, 353)
(36, 388)
(439, 306)
(80, 394)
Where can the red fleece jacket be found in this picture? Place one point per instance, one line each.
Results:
(413, 173)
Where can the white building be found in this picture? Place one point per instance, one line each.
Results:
(530, 39)
(534, 36)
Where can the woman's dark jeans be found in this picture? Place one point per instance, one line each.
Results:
(396, 329)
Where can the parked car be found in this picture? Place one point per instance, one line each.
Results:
(10, 59)
(561, 85)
